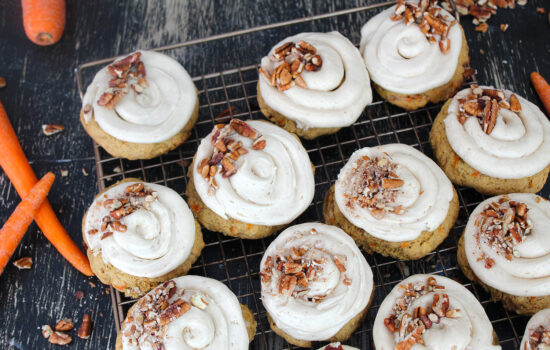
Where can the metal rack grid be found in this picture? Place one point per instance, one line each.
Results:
(236, 262)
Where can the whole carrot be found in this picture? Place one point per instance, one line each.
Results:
(17, 168)
(542, 88)
(14, 229)
(44, 20)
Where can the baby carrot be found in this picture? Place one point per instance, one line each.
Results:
(542, 88)
(14, 229)
(44, 20)
(19, 171)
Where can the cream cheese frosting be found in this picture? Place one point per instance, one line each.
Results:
(155, 114)
(271, 186)
(422, 199)
(525, 271)
(517, 147)
(401, 59)
(449, 316)
(534, 332)
(158, 229)
(324, 281)
(336, 94)
(202, 314)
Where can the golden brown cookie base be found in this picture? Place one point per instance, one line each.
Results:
(410, 250)
(343, 334)
(438, 94)
(519, 304)
(247, 315)
(130, 150)
(288, 124)
(460, 173)
(213, 222)
(134, 286)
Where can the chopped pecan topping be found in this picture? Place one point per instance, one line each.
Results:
(64, 325)
(503, 225)
(432, 23)
(481, 10)
(294, 58)
(127, 73)
(539, 338)
(485, 104)
(24, 263)
(227, 150)
(60, 338)
(134, 197)
(292, 271)
(410, 327)
(374, 185)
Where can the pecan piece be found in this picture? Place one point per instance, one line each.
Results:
(259, 143)
(52, 129)
(392, 183)
(228, 167)
(85, 329)
(515, 106)
(59, 338)
(243, 128)
(282, 50)
(47, 331)
(24, 263)
(174, 311)
(64, 325)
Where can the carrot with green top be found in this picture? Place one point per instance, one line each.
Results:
(542, 88)
(14, 229)
(44, 20)
(19, 171)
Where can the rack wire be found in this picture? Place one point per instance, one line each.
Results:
(235, 262)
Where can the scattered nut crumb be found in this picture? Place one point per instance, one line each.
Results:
(60, 338)
(65, 324)
(482, 27)
(52, 129)
(24, 263)
(85, 328)
(84, 172)
(117, 169)
(541, 10)
(47, 331)
(78, 294)
(2, 82)
(64, 173)
(92, 284)
(481, 51)
(504, 27)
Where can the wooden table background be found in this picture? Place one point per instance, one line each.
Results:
(41, 89)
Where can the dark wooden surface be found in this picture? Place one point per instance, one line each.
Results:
(41, 89)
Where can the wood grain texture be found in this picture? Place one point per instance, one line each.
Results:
(41, 89)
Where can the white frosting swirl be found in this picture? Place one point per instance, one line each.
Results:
(541, 318)
(340, 302)
(336, 94)
(525, 275)
(272, 186)
(155, 115)
(424, 196)
(472, 330)
(400, 58)
(219, 325)
(517, 147)
(157, 239)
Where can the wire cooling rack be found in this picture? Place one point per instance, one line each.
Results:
(236, 262)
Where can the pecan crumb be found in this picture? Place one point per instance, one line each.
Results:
(24, 263)
(483, 27)
(2, 83)
(541, 10)
(47, 331)
(65, 324)
(504, 27)
(60, 338)
(52, 129)
(85, 329)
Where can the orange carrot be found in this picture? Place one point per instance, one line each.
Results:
(18, 170)
(542, 88)
(44, 20)
(14, 229)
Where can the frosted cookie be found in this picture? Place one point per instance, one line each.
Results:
(415, 53)
(313, 84)
(506, 248)
(432, 312)
(140, 106)
(249, 179)
(337, 346)
(316, 284)
(492, 140)
(140, 234)
(537, 332)
(189, 312)
(393, 200)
